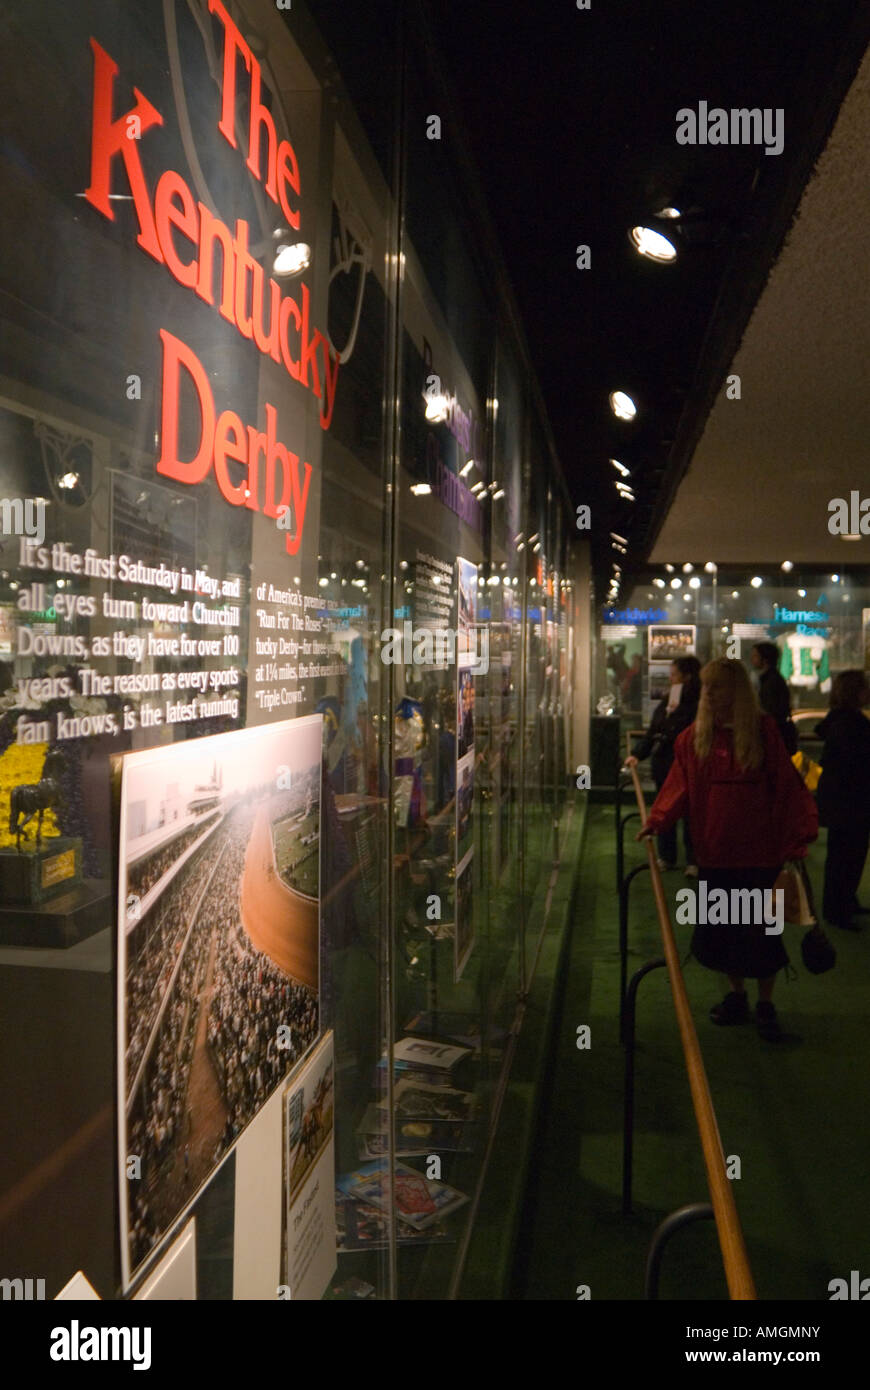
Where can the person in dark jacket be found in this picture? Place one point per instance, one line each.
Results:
(843, 796)
(671, 716)
(773, 693)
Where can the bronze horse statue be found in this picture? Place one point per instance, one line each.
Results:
(35, 798)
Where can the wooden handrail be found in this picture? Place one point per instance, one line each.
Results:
(731, 1242)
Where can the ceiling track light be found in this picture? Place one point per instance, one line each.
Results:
(652, 245)
(622, 405)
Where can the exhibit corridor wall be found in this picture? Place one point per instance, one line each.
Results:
(293, 630)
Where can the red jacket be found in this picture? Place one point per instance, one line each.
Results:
(737, 819)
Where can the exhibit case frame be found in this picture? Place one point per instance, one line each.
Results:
(288, 597)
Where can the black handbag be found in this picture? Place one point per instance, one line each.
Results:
(817, 953)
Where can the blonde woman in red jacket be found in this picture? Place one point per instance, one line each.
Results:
(748, 811)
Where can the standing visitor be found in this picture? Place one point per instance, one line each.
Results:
(773, 693)
(843, 796)
(748, 812)
(674, 713)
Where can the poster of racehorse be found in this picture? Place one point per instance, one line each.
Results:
(309, 1116)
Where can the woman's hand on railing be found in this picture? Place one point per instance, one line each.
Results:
(646, 832)
(631, 761)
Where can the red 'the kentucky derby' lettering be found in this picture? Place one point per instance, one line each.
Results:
(201, 254)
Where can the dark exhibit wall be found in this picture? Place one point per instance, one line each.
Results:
(288, 597)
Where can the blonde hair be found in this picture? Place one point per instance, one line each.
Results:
(745, 716)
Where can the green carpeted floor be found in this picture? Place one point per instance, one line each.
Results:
(795, 1113)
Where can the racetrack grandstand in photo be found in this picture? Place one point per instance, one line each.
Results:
(220, 952)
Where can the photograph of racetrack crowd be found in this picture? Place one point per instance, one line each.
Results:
(220, 997)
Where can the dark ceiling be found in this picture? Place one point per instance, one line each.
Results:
(570, 115)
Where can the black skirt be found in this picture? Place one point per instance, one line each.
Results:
(738, 948)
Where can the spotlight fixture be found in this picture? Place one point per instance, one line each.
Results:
(659, 583)
(497, 495)
(669, 569)
(621, 539)
(835, 579)
(622, 405)
(621, 468)
(711, 568)
(672, 214)
(735, 593)
(68, 481)
(694, 582)
(676, 583)
(421, 489)
(467, 468)
(653, 245)
(802, 593)
(787, 566)
(687, 568)
(756, 581)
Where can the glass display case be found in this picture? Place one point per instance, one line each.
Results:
(285, 651)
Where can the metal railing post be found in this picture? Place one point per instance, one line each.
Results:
(684, 1216)
(623, 940)
(628, 1089)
